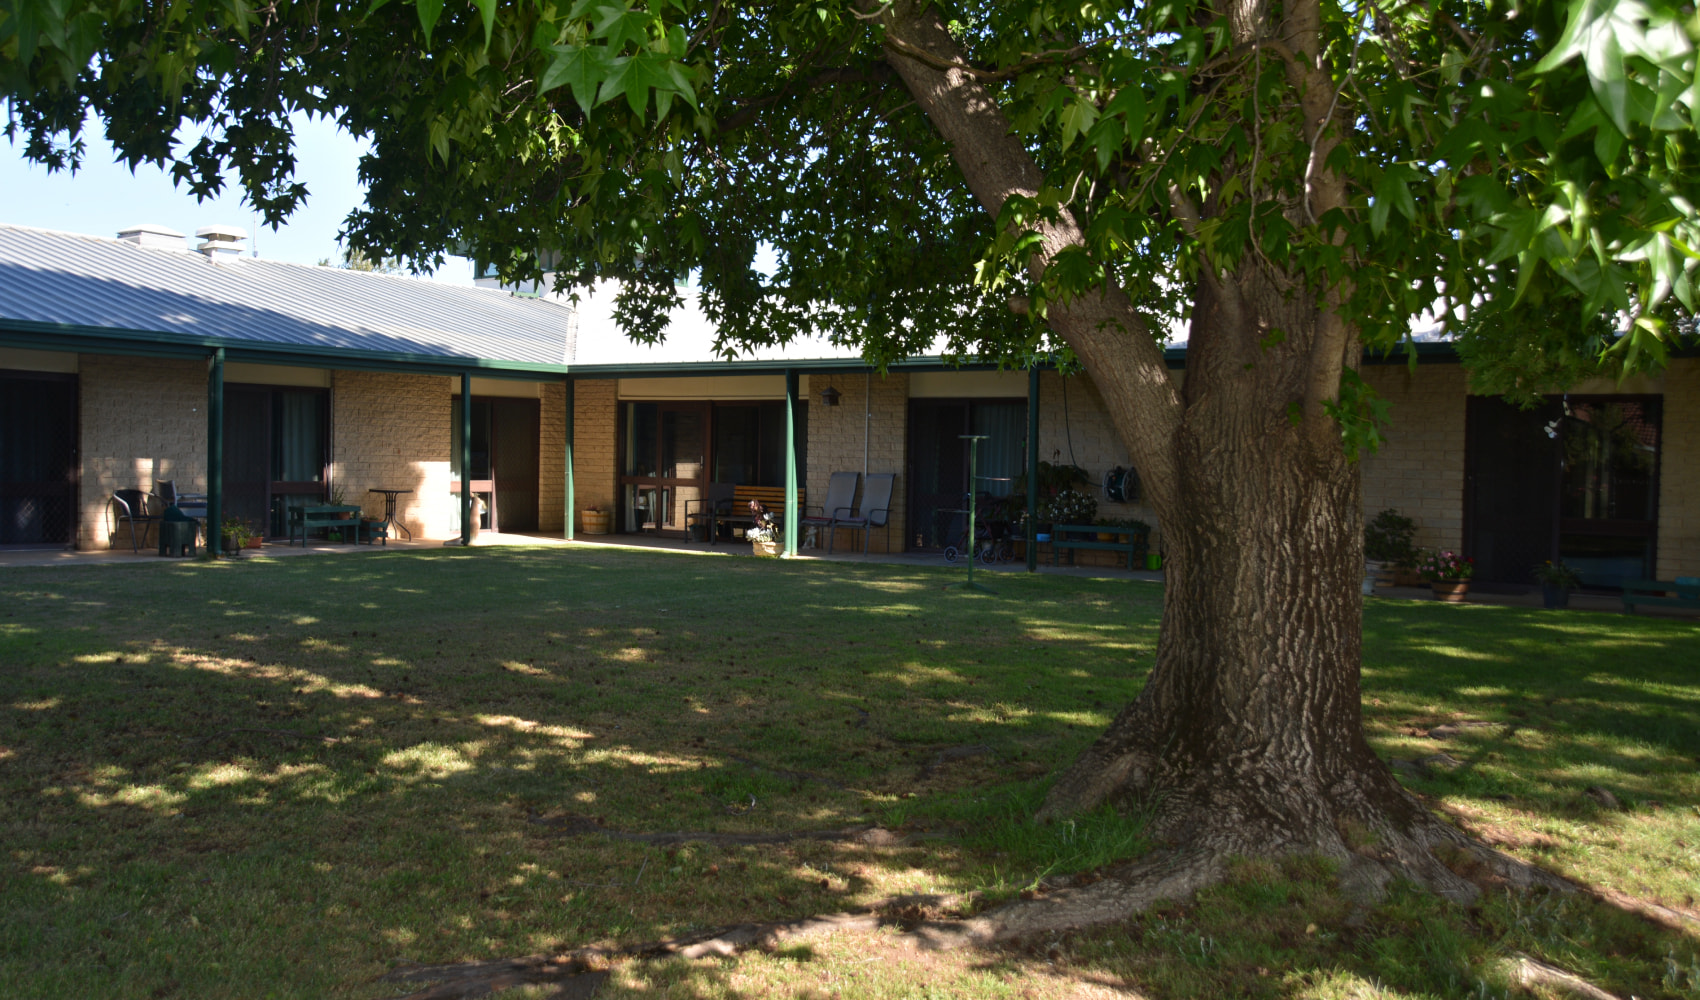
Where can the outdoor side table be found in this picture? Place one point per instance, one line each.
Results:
(389, 509)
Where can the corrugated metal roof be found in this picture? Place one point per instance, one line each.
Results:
(53, 278)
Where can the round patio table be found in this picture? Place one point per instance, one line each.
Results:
(389, 509)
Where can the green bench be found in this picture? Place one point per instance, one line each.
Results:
(335, 517)
(1085, 536)
(1684, 592)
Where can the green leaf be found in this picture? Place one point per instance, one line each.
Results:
(429, 12)
(488, 9)
(581, 67)
(620, 25)
(440, 138)
(1076, 119)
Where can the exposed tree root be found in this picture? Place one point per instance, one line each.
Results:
(1361, 819)
(947, 922)
(1533, 972)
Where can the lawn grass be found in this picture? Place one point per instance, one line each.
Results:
(287, 777)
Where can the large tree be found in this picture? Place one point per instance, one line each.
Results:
(1292, 179)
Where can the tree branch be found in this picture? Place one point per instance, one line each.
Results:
(748, 111)
(1099, 324)
(1033, 61)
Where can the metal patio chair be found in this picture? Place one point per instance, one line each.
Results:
(136, 507)
(840, 499)
(874, 512)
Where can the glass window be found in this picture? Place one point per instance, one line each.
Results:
(737, 438)
(480, 440)
(641, 419)
(681, 444)
(1611, 452)
(298, 436)
(1001, 454)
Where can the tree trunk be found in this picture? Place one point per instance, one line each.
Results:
(1247, 739)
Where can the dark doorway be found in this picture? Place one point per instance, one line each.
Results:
(506, 435)
(276, 452)
(938, 460)
(1511, 477)
(38, 458)
(1574, 479)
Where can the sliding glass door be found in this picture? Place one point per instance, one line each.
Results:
(276, 452)
(38, 458)
(1574, 478)
(665, 464)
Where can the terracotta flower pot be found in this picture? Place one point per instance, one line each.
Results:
(1450, 591)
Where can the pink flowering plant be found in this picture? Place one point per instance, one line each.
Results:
(1445, 565)
(764, 526)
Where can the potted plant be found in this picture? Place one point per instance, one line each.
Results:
(339, 499)
(1070, 506)
(595, 520)
(1448, 574)
(1557, 581)
(763, 533)
(236, 535)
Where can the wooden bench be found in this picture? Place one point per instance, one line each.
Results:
(340, 517)
(771, 497)
(1652, 593)
(1135, 545)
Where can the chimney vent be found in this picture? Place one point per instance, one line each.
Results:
(221, 242)
(153, 237)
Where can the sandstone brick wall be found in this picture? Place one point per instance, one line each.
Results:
(552, 462)
(142, 420)
(1420, 468)
(394, 431)
(1679, 473)
(835, 444)
(596, 410)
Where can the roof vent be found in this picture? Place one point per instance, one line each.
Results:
(152, 237)
(221, 242)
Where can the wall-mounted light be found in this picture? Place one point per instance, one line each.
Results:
(829, 396)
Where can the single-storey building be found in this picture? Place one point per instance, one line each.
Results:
(334, 381)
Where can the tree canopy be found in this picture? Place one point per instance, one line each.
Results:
(644, 141)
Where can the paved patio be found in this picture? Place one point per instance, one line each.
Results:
(11, 557)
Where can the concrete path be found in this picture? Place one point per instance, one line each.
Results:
(12, 557)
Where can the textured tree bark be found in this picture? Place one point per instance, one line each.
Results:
(1247, 739)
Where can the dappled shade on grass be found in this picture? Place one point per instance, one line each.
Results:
(289, 776)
